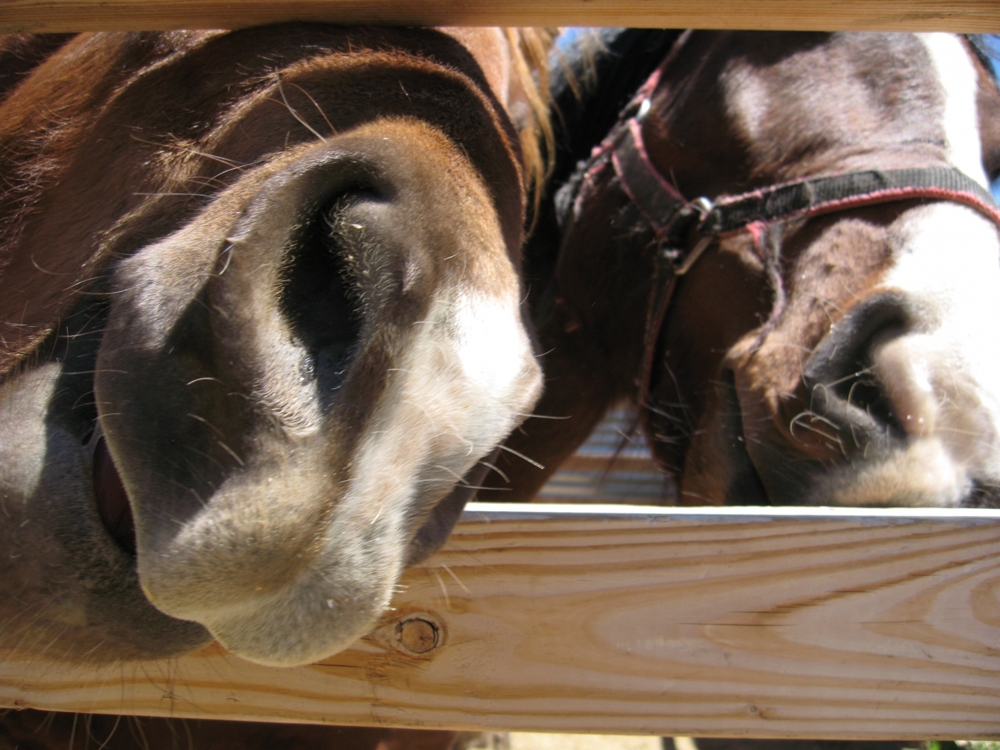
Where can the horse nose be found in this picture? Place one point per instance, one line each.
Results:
(906, 396)
(846, 390)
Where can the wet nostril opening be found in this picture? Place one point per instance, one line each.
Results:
(320, 304)
(862, 391)
(839, 377)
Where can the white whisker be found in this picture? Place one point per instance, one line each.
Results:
(444, 591)
(497, 470)
(450, 572)
(521, 456)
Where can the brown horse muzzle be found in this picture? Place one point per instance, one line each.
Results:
(891, 401)
(291, 384)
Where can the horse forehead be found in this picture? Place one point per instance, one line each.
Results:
(958, 79)
(826, 96)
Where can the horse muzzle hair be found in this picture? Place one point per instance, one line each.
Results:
(895, 401)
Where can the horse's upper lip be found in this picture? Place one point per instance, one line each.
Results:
(115, 511)
(442, 519)
(113, 505)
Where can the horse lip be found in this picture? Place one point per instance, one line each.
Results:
(442, 519)
(746, 485)
(110, 496)
(984, 494)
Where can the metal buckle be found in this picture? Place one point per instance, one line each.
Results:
(643, 110)
(636, 110)
(679, 227)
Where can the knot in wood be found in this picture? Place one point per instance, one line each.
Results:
(418, 635)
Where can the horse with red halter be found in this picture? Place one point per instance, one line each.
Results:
(780, 249)
(260, 321)
(783, 252)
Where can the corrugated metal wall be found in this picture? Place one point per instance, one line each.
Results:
(613, 466)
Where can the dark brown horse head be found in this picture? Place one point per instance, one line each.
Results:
(867, 377)
(808, 357)
(261, 315)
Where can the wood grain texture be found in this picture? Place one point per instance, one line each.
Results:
(743, 622)
(792, 15)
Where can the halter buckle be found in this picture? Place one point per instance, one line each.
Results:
(637, 109)
(676, 233)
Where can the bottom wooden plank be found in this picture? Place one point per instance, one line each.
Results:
(760, 623)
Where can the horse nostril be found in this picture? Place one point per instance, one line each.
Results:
(321, 305)
(841, 385)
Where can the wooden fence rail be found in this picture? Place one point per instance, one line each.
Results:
(792, 15)
(734, 622)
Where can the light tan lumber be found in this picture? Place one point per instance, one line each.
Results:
(792, 15)
(711, 622)
(540, 741)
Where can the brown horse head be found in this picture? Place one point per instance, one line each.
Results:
(839, 357)
(261, 300)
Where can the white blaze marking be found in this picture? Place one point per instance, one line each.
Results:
(959, 84)
(944, 376)
(467, 381)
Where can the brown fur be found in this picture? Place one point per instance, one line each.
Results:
(246, 280)
(46, 123)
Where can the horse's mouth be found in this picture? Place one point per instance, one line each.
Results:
(112, 502)
(115, 511)
(762, 470)
(442, 519)
(983, 495)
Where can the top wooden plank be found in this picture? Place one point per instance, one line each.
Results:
(791, 15)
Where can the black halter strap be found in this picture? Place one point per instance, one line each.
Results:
(684, 228)
(820, 195)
